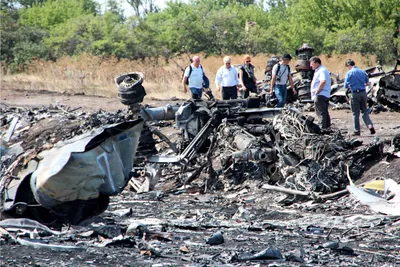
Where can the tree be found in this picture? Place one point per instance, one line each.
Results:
(8, 27)
(19, 44)
(223, 3)
(54, 12)
(115, 8)
(24, 3)
(71, 27)
(143, 7)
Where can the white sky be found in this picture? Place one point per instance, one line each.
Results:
(127, 8)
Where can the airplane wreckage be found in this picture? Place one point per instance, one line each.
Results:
(67, 173)
(233, 166)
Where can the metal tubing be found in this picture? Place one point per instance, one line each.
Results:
(264, 154)
(160, 113)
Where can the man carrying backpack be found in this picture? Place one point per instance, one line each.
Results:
(193, 78)
(280, 77)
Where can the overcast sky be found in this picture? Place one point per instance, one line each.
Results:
(127, 8)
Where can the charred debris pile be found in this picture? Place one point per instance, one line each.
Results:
(217, 183)
(63, 165)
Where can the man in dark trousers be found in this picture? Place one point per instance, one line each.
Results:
(321, 92)
(356, 81)
(227, 79)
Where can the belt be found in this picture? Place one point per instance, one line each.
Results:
(358, 91)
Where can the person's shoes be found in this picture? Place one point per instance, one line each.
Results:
(372, 130)
(355, 134)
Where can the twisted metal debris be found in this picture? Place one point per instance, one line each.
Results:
(222, 144)
(233, 150)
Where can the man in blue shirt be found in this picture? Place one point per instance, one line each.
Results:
(321, 92)
(356, 81)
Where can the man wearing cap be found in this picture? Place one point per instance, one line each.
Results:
(321, 91)
(280, 77)
(227, 78)
(356, 81)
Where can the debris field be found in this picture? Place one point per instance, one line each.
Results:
(200, 183)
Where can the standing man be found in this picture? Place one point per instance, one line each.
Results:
(193, 77)
(280, 77)
(321, 92)
(356, 81)
(227, 76)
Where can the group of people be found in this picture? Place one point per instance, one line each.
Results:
(230, 82)
(227, 80)
(356, 82)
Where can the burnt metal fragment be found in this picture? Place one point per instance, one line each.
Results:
(73, 181)
(216, 239)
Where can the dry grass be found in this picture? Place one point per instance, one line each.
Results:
(95, 75)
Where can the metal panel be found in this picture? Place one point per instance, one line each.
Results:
(82, 168)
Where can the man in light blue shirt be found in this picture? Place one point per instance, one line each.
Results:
(321, 91)
(193, 77)
(227, 78)
(355, 81)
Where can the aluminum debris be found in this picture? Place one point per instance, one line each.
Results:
(376, 202)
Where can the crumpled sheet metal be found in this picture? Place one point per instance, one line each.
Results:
(83, 167)
(376, 202)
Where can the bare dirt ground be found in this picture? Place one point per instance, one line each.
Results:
(335, 233)
(45, 98)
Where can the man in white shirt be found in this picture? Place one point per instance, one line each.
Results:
(321, 91)
(227, 79)
(193, 77)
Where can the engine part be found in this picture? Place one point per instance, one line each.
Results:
(257, 154)
(130, 89)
